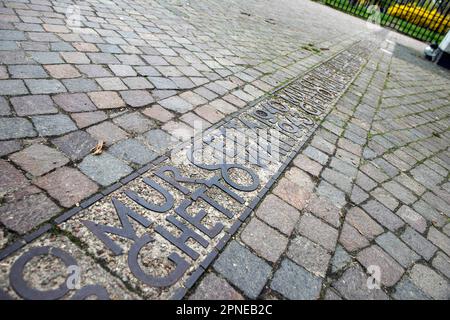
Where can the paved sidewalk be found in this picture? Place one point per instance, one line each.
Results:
(368, 192)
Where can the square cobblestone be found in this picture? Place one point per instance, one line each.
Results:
(104, 169)
(292, 193)
(209, 113)
(43, 86)
(33, 104)
(214, 288)
(397, 249)
(412, 218)
(67, 185)
(158, 140)
(158, 113)
(318, 231)
(74, 102)
(14, 128)
(309, 255)
(324, 209)
(363, 223)
(264, 240)
(39, 159)
(53, 125)
(27, 213)
(243, 269)
(132, 150)
(107, 132)
(430, 282)
(106, 99)
(278, 214)
(332, 193)
(351, 239)
(406, 290)
(383, 215)
(176, 104)
(86, 119)
(75, 145)
(134, 122)
(137, 98)
(295, 283)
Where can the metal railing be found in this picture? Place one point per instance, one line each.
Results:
(426, 20)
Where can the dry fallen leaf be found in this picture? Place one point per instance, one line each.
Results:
(98, 149)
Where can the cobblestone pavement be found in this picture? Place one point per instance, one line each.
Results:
(368, 191)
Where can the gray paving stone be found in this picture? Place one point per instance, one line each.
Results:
(43, 86)
(134, 122)
(364, 181)
(33, 104)
(397, 249)
(412, 218)
(38, 159)
(426, 176)
(74, 102)
(358, 195)
(45, 57)
(442, 263)
(75, 145)
(308, 165)
(27, 213)
(295, 283)
(324, 209)
(132, 151)
(80, 85)
(53, 125)
(7, 147)
(137, 98)
(429, 213)
(430, 282)
(439, 239)
(5, 110)
(385, 198)
(338, 179)
(340, 259)
(12, 87)
(278, 214)
(309, 255)
(353, 286)
(418, 243)
(176, 104)
(406, 290)
(107, 132)
(243, 269)
(383, 215)
(264, 240)
(318, 231)
(212, 287)
(27, 71)
(162, 83)
(316, 155)
(332, 193)
(85, 119)
(158, 140)
(14, 128)
(363, 223)
(104, 169)
(400, 192)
